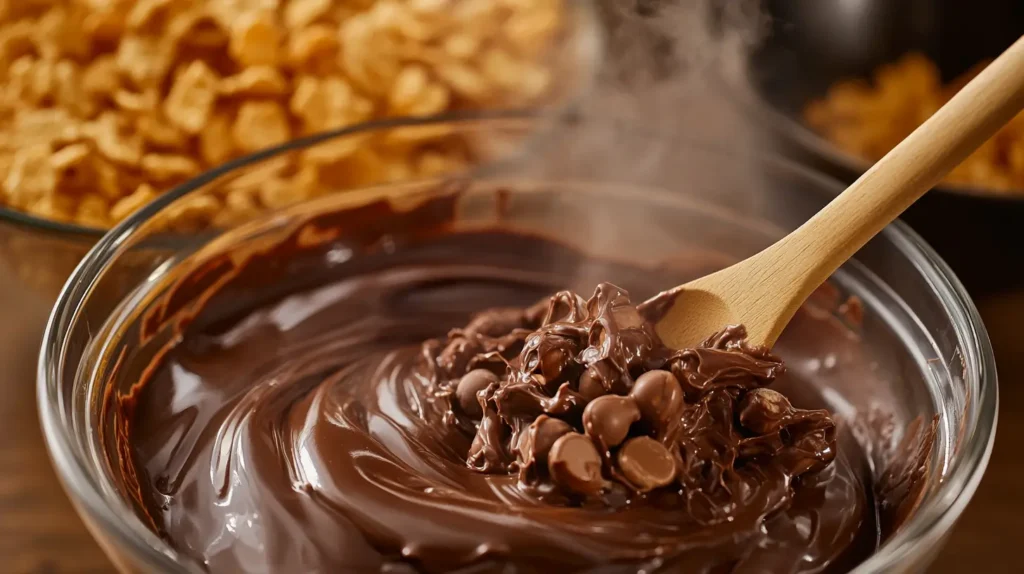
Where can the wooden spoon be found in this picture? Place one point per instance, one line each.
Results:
(765, 291)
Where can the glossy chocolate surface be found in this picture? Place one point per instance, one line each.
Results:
(433, 408)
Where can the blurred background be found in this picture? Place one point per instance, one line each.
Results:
(105, 105)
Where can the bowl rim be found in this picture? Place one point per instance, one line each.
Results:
(749, 99)
(930, 521)
(74, 230)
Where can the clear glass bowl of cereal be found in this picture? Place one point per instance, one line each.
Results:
(914, 381)
(107, 105)
(837, 86)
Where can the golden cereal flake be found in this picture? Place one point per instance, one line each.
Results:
(169, 167)
(109, 182)
(93, 211)
(46, 125)
(31, 177)
(260, 124)
(70, 157)
(55, 207)
(158, 132)
(256, 81)
(278, 192)
(144, 11)
(191, 99)
(68, 90)
(415, 94)
(107, 132)
(101, 76)
(58, 34)
(193, 212)
(16, 40)
(255, 39)
(128, 205)
(138, 102)
(318, 41)
(105, 23)
(302, 13)
(144, 60)
(215, 141)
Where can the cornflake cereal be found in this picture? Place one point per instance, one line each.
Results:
(104, 105)
(868, 119)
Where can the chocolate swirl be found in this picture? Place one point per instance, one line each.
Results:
(310, 428)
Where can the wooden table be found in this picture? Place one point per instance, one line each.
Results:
(989, 530)
(40, 532)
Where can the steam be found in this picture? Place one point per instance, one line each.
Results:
(666, 64)
(662, 56)
(664, 68)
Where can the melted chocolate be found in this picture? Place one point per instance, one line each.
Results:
(311, 429)
(549, 392)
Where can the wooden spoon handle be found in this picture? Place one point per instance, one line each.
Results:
(813, 252)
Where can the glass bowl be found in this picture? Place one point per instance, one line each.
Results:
(809, 46)
(671, 203)
(40, 253)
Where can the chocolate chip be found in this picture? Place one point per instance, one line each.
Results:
(609, 377)
(457, 354)
(575, 464)
(607, 419)
(646, 463)
(556, 355)
(659, 397)
(472, 383)
(541, 436)
(553, 360)
(590, 385)
(764, 410)
(496, 322)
